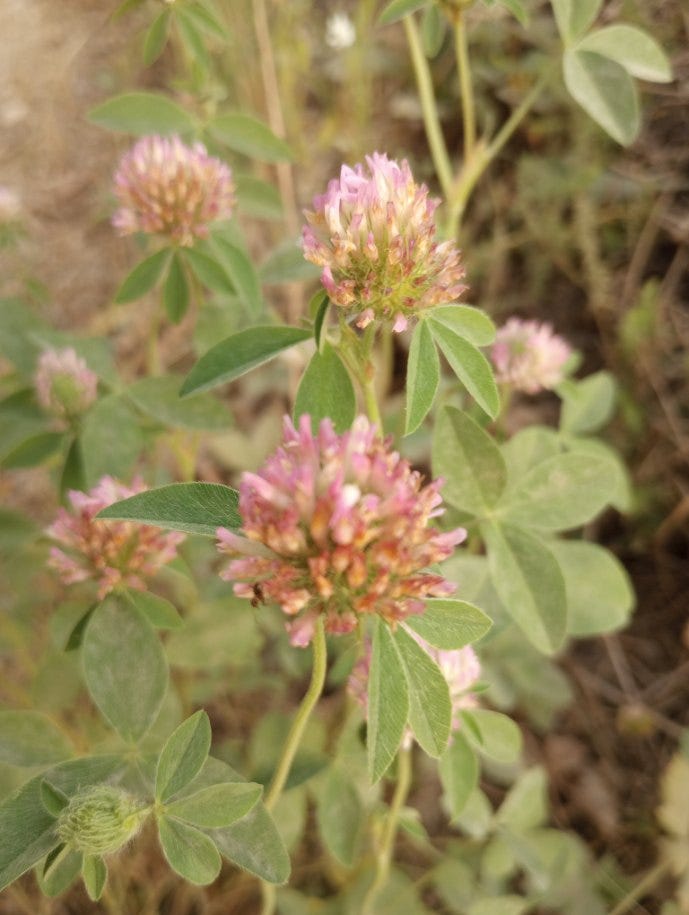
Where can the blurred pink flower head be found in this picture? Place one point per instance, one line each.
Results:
(373, 233)
(460, 667)
(337, 525)
(110, 553)
(167, 188)
(65, 385)
(528, 356)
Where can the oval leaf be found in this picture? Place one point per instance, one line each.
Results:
(587, 405)
(208, 271)
(340, 816)
(217, 805)
(633, 49)
(469, 461)
(500, 737)
(388, 702)
(124, 667)
(176, 291)
(196, 508)
(31, 739)
(188, 851)
(110, 440)
(159, 398)
(142, 113)
(158, 611)
(423, 377)
(143, 277)
(430, 710)
(471, 323)
(529, 583)
(562, 492)
(183, 755)
(95, 875)
(459, 770)
(242, 273)
(449, 624)
(470, 366)
(600, 596)
(240, 353)
(246, 135)
(398, 9)
(326, 390)
(605, 91)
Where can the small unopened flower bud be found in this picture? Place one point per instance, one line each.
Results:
(100, 819)
(65, 385)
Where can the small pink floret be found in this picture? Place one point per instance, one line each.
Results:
(373, 234)
(166, 187)
(337, 525)
(110, 553)
(528, 356)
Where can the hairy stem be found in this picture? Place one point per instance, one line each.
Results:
(387, 842)
(431, 120)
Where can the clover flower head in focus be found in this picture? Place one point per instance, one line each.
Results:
(460, 667)
(110, 553)
(167, 188)
(373, 234)
(338, 526)
(65, 385)
(528, 356)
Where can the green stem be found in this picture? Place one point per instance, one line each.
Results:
(431, 120)
(301, 718)
(482, 157)
(387, 842)
(308, 703)
(641, 888)
(465, 84)
(369, 387)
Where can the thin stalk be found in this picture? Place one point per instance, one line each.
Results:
(642, 888)
(308, 704)
(371, 401)
(431, 119)
(475, 166)
(387, 842)
(466, 88)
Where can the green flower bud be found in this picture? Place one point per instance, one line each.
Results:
(100, 819)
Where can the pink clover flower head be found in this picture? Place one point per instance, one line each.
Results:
(373, 235)
(165, 187)
(337, 525)
(528, 356)
(65, 385)
(110, 553)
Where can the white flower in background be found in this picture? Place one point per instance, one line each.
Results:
(339, 31)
